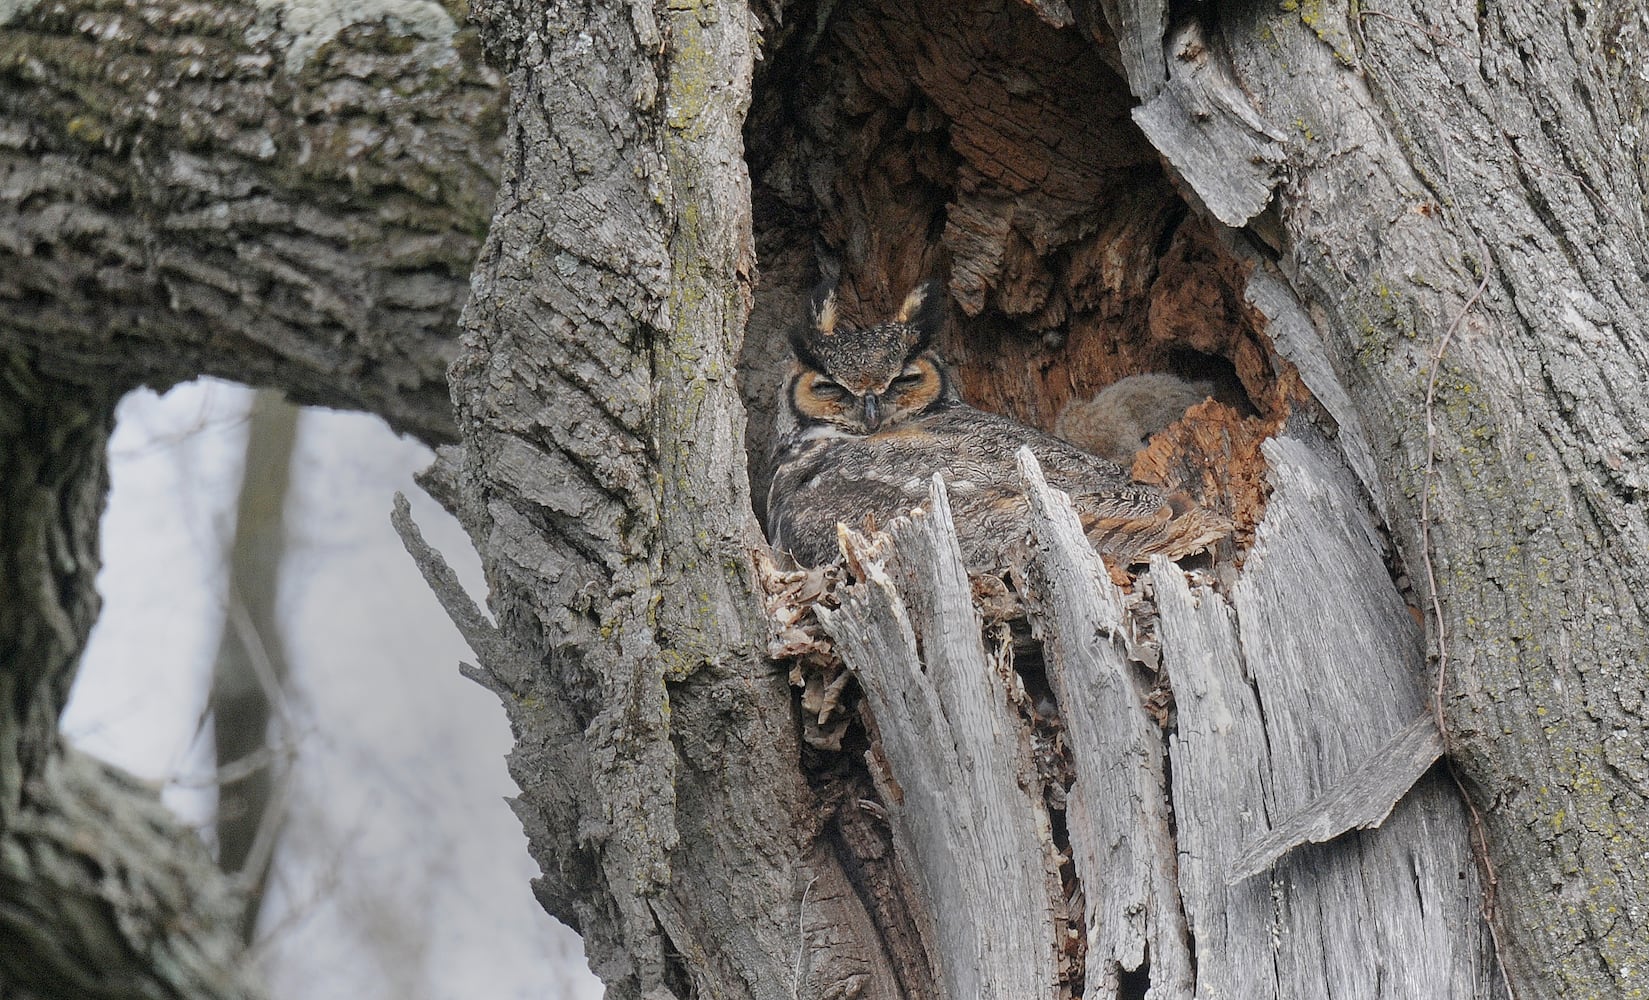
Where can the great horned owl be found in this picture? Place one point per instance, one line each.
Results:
(1117, 422)
(869, 415)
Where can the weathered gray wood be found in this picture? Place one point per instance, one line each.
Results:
(963, 797)
(1360, 801)
(1202, 123)
(1335, 655)
(1296, 339)
(1324, 670)
(1118, 811)
(1433, 146)
(1139, 26)
(1220, 788)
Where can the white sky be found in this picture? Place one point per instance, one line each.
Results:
(402, 873)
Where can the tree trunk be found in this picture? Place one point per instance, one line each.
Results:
(1406, 244)
(996, 143)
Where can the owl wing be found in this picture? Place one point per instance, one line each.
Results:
(1125, 519)
(883, 476)
(848, 481)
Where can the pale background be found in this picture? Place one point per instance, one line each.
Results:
(401, 872)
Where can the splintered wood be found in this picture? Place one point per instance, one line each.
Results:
(1288, 690)
(959, 784)
(1118, 815)
(792, 596)
(1075, 814)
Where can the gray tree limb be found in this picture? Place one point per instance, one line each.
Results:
(192, 189)
(101, 893)
(249, 675)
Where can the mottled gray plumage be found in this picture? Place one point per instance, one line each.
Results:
(1119, 421)
(869, 415)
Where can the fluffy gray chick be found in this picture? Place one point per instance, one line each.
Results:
(1118, 422)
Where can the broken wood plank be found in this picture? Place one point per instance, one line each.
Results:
(1139, 26)
(1297, 339)
(959, 785)
(1218, 756)
(1118, 812)
(1361, 801)
(1331, 669)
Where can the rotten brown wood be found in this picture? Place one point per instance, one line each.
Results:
(988, 147)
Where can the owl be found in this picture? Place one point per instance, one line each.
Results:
(1119, 421)
(869, 415)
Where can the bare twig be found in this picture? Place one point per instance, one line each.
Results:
(501, 664)
(1431, 33)
(1480, 840)
(801, 940)
(1426, 482)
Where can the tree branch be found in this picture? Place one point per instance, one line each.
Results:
(183, 197)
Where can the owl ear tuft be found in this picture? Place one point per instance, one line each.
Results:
(924, 309)
(821, 310)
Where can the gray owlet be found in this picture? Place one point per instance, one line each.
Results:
(1121, 419)
(869, 415)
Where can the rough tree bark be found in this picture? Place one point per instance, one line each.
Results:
(1407, 240)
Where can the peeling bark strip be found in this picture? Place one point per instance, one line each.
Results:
(1203, 125)
(279, 196)
(1118, 812)
(1283, 692)
(1361, 802)
(960, 790)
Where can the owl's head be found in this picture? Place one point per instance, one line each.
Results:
(855, 382)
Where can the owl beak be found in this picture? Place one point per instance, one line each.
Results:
(873, 411)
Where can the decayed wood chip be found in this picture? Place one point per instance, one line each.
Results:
(792, 596)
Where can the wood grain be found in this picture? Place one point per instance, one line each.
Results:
(961, 792)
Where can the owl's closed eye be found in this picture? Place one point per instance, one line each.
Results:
(850, 382)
